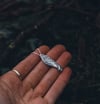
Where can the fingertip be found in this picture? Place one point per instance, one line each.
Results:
(68, 70)
(67, 55)
(44, 47)
(60, 46)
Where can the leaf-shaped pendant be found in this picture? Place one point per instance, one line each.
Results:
(50, 62)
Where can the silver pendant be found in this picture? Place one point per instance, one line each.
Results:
(48, 61)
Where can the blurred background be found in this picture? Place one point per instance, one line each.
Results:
(27, 24)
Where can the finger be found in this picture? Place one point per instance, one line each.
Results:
(58, 86)
(41, 69)
(39, 100)
(26, 65)
(51, 76)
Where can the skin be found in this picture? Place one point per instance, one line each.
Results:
(38, 84)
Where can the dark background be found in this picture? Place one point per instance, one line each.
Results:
(27, 24)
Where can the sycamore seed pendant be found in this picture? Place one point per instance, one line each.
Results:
(48, 61)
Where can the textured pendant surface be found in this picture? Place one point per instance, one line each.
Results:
(50, 62)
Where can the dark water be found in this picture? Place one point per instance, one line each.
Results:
(22, 29)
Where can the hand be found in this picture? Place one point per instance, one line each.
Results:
(39, 83)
